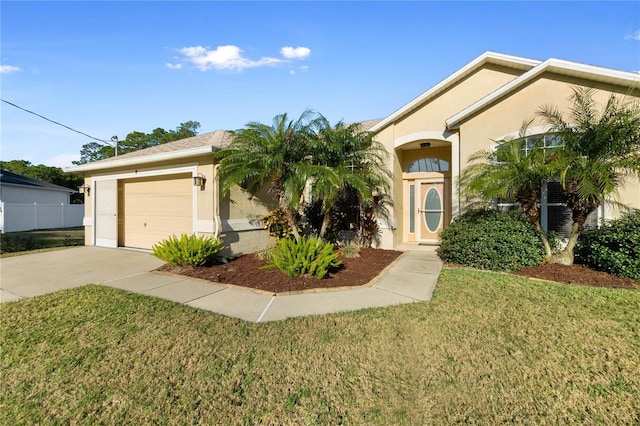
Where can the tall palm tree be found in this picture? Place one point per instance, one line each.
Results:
(601, 150)
(515, 171)
(261, 155)
(344, 158)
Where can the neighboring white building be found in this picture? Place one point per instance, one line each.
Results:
(27, 204)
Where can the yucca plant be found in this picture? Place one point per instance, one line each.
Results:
(306, 256)
(188, 250)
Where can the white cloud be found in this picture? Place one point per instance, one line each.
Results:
(223, 58)
(633, 36)
(7, 69)
(295, 52)
(62, 160)
(302, 68)
(231, 58)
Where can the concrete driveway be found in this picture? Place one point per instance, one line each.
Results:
(411, 278)
(41, 273)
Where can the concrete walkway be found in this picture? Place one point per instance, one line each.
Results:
(411, 278)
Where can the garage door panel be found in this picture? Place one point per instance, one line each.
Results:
(154, 209)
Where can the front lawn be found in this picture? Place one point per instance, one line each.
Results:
(487, 349)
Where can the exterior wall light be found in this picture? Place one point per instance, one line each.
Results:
(199, 180)
(425, 145)
(85, 189)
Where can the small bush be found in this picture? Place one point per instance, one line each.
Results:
(264, 254)
(494, 240)
(308, 256)
(613, 248)
(350, 250)
(188, 250)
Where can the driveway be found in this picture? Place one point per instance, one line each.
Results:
(41, 273)
(412, 278)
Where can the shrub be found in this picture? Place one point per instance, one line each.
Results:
(307, 256)
(343, 216)
(264, 254)
(490, 239)
(613, 248)
(277, 225)
(188, 250)
(15, 243)
(350, 249)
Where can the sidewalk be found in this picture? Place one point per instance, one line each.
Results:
(411, 278)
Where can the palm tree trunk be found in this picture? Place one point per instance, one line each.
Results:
(566, 256)
(326, 220)
(278, 192)
(547, 247)
(292, 224)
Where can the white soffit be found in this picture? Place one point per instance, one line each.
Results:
(573, 69)
(517, 62)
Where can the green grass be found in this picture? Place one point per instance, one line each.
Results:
(488, 349)
(29, 241)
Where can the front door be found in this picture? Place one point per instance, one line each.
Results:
(430, 210)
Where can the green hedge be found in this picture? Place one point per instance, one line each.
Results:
(490, 239)
(613, 248)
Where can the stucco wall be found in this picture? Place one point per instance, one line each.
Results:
(431, 116)
(504, 118)
(240, 214)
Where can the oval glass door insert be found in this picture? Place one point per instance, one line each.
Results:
(432, 210)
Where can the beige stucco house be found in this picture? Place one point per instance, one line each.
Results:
(142, 197)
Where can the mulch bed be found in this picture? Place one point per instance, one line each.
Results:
(245, 271)
(578, 274)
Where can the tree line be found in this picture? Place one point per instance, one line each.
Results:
(94, 151)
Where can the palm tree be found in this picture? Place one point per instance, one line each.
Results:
(345, 159)
(601, 150)
(511, 172)
(274, 156)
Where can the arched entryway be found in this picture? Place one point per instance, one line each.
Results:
(427, 189)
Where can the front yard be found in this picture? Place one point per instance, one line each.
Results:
(489, 348)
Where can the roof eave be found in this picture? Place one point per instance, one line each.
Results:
(46, 188)
(136, 161)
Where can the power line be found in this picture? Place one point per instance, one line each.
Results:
(54, 122)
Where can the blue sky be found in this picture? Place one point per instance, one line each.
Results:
(110, 68)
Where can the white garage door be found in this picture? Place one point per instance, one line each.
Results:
(152, 209)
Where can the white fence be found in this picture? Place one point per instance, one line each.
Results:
(16, 217)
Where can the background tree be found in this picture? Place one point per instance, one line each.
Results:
(134, 141)
(601, 150)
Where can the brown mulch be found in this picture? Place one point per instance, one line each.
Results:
(245, 271)
(578, 274)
